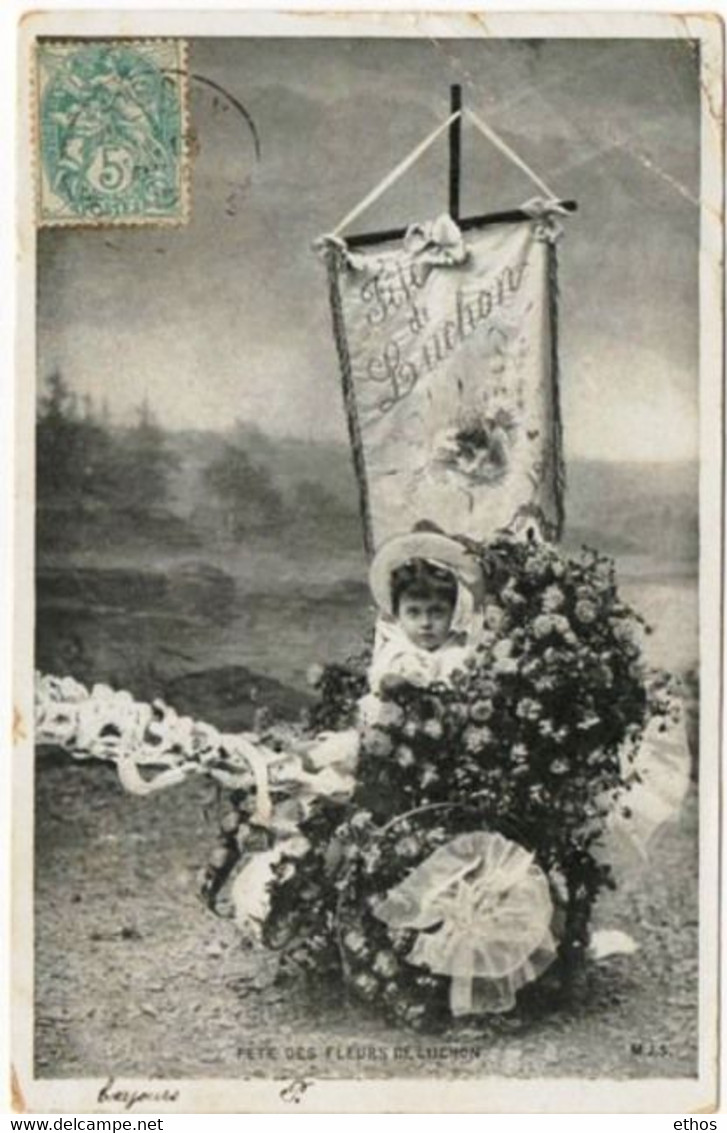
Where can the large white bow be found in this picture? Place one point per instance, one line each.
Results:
(483, 910)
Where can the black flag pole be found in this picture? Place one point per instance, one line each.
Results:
(511, 216)
(455, 151)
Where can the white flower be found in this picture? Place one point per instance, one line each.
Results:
(333, 748)
(429, 775)
(355, 942)
(404, 756)
(373, 712)
(543, 625)
(385, 964)
(622, 630)
(493, 617)
(586, 612)
(315, 674)
(553, 599)
(476, 738)
(481, 711)
(536, 567)
(376, 742)
(528, 709)
(361, 820)
(503, 649)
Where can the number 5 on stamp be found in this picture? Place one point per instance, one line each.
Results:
(110, 132)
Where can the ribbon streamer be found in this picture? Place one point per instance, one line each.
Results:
(413, 156)
(110, 725)
(392, 177)
(509, 152)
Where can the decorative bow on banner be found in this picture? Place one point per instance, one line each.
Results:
(447, 347)
(483, 908)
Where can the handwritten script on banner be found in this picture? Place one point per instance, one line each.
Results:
(448, 365)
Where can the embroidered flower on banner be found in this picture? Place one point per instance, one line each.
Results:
(477, 449)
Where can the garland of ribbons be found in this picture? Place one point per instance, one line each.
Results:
(153, 747)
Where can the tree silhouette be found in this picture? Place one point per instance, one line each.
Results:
(146, 465)
(94, 481)
(245, 491)
(315, 503)
(75, 456)
(55, 437)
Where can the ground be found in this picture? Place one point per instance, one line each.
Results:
(134, 977)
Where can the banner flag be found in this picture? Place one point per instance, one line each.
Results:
(448, 355)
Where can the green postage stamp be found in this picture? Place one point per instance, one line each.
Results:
(111, 132)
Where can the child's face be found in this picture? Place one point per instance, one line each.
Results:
(425, 621)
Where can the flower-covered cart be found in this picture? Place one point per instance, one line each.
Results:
(440, 853)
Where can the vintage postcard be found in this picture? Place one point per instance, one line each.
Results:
(368, 563)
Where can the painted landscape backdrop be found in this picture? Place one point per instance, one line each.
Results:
(212, 568)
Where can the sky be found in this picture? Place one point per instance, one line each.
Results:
(227, 318)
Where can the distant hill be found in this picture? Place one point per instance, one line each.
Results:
(625, 509)
(635, 509)
(289, 461)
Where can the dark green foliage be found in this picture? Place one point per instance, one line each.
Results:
(93, 480)
(245, 492)
(533, 740)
